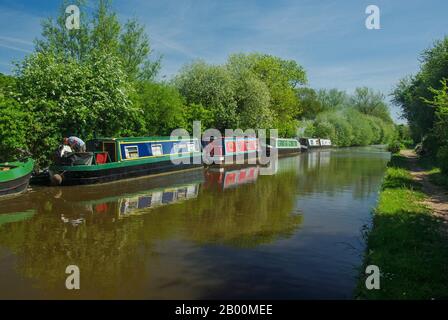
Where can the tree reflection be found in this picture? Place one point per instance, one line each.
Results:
(114, 253)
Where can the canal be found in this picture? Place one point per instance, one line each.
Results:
(201, 234)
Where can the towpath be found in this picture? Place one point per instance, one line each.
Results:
(436, 197)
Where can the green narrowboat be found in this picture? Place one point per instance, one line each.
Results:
(111, 159)
(284, 146)
(15, 177)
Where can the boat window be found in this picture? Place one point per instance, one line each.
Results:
(157, 150)
(180, 148)
(131, 152)
(191, 147)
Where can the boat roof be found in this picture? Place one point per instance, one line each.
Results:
(138, 139)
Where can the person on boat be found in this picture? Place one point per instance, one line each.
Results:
(75, 143)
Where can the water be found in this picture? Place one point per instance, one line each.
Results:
(200, 234)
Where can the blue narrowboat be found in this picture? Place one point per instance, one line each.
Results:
(110, 159)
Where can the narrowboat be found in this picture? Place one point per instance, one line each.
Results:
(308, 143)
(228, 151)
(15, 177)
(111, 159)
(325, 143)
(283, 146)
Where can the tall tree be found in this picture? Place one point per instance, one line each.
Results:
(100, 31)
(414, 93)
(212, 87)
(369, 102)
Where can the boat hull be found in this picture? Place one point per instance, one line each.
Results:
(14, 187)
(282, 152)
(16, 180)
(75, 176)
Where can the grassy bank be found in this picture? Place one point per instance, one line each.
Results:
(405, 242)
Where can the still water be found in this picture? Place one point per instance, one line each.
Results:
(201, 234)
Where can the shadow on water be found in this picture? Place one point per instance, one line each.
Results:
(198, 234)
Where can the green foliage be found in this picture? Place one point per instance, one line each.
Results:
(213, 87)
(100, 31)
(417, 95)
(394, 147)
(162, 107)
(253, 101)
(72, 97)
(249, 91)
(197, 112)
(332, 99)
(349, 127)
(442, 158)
(281, 77)
(13, 128)
(371, 103)
(309, 102)
(324, 129)
(362, 132)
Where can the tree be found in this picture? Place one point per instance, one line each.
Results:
(371, 103)
(332, 99)
(281, 77)
(440, 102)
(212, 87)
(362, 134)
(310, 104)
(66, 96)
(100, 31)
(413, 94)
(13, 128)
(253, 102)
(162, 106)
(197, 112)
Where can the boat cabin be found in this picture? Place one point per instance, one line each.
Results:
(228, 147)
(325, 142)
(310, 142)
(106, 150)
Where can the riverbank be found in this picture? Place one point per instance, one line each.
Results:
(408, 240)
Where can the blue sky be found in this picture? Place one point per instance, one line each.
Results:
(328, 38)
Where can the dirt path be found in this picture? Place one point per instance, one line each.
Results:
(437, 197)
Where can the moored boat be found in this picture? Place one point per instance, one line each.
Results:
(325, 143)
(15, 177)
(284, 146)
(111, 159)
(231, 151)
(308, 143)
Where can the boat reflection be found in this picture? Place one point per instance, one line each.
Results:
(222, 178)
(156, 198)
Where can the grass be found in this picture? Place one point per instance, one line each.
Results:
(435, 174)
(405, 242)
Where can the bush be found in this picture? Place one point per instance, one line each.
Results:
(68, 97)
(442, 158)
(394, 147)
(13, 128)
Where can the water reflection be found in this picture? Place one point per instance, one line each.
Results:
(170, 236)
